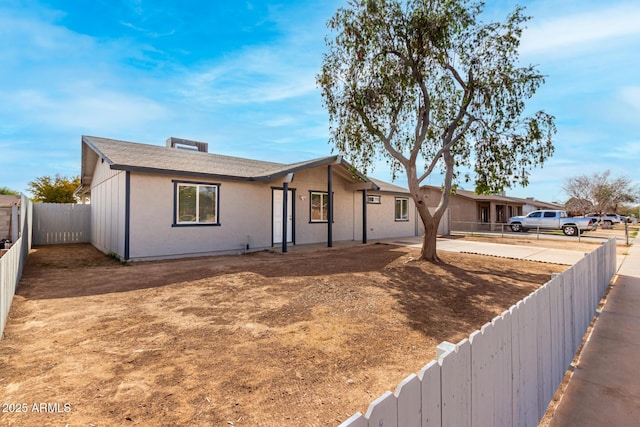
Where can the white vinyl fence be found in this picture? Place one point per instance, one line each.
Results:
(12, 262)
(506, 373)
(57, 223)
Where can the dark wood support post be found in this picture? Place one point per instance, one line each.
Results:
(364, 216)
(127, 215)
(285, 220)
(329, 208)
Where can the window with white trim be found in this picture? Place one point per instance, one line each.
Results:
(402, 209)
(196, 204)
(319, 206)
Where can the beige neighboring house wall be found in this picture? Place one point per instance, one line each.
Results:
(6, 205)
(530, 204)
(472, 212)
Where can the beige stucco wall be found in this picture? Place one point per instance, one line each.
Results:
(244, 214)
(108, 209)
(381, 223)
(316, 232)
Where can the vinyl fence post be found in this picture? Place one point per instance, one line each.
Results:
(626, 232)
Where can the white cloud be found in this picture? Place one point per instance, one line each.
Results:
(32, 39)
(630, 97)
(255, 76)
(623, 151)
(280, 121)
(582, 30)
(84, 107)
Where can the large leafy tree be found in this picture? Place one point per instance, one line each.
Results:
(430, 87)
(602, 191)
(58, 189)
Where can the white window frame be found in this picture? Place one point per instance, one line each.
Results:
(198, 221)
(404, 213)
(324, 197)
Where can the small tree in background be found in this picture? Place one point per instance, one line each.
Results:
(54, 190)
(575, 206)
(429, 86)
(605, 193)
(6, 191)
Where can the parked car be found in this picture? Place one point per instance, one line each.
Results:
(624, 219)
(607, 218)
(552, 220)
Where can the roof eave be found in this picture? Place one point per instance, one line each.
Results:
(331, 160)
(158, 171)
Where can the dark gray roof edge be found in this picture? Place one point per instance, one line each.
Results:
(94, 148)
(361, 176)
(298, 167)
(158, 171)
(335, 159)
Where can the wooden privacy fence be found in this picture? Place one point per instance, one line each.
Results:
(56, 223)
(12, 262)
(507, 372)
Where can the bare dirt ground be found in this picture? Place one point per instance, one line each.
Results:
(303, 339)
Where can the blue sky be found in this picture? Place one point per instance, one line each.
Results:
(241, 76)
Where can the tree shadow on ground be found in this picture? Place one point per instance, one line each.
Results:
(466, 293)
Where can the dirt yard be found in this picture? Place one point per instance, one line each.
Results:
(303, 339)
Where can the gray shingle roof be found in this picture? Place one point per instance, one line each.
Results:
(388, 187)
(537, 203)
(124, 155)
(499, 198)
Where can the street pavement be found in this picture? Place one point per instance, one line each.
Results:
(604, 389)
(529, 253)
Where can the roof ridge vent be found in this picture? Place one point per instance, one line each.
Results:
(187, 144)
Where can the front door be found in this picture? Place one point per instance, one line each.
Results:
(277, 216)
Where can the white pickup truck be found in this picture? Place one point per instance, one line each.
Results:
(552, 220)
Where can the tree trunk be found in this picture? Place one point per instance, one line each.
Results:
(430, 222)
(428, 252)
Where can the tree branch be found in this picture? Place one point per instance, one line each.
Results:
(386, 140)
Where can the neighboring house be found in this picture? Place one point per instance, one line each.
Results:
(7, 204)
(154, 202)
(530, 204)
(472, 212)
(475, 212)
